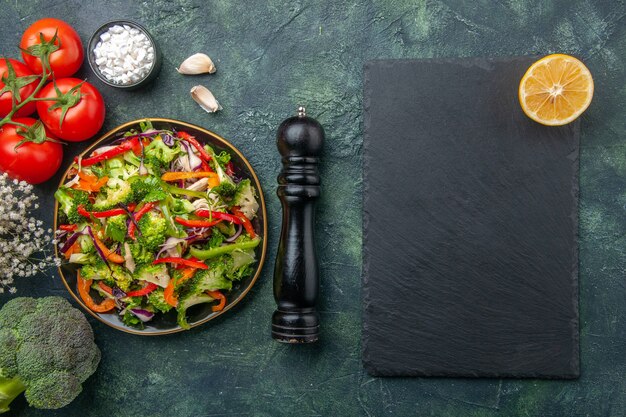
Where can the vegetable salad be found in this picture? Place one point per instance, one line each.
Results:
(156, 222)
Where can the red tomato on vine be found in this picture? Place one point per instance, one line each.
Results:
(67, 51)
(21, 83)
(28, 152)
(76, 114)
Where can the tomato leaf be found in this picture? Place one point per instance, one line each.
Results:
(13, 83)
(66, 101)
(35, 133)
(44, 48)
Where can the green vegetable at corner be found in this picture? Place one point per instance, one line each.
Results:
(36, 356)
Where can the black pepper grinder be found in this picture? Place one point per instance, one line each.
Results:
(296, 280)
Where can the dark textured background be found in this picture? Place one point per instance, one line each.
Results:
(272, 56)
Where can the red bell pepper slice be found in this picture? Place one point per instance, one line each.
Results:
(144, 291)
(182, 261)
(81, 210)
(68, 227)
(219, 215)
(196, 223)
(108, 213)
(247, 224)
(138, 215)
(124, 147)
(205, 166)
(203, 153)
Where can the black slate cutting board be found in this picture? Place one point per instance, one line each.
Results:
(470, 225)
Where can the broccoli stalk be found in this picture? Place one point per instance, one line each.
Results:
(187, 302)
(36, 356)
(203, 254)
(10, 388)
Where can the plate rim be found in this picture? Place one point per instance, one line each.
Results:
(213, 315)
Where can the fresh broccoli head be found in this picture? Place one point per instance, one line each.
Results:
(116, 191)
(123, 279)
(211, 279)
(159, 151)
(96, 271)
(153, 228)
(69, 200)
(147, 188)
(116, 228)
(226, 190)
(47, 350)
(140, 254)
(157, 300)
(245, 198)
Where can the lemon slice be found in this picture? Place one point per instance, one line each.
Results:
(556, 90)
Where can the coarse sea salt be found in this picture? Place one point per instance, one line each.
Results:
(124, 55)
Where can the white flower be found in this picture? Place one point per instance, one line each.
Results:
(24, 243)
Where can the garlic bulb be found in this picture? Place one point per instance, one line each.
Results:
(205, 99)
(197, 64)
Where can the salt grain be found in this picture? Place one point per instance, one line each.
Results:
(124, 55)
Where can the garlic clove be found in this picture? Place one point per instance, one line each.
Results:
(205, 99)
(197, 64)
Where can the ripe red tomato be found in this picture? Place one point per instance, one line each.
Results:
(65, 61)
(81, 121)
(6, 104)
(31, 162)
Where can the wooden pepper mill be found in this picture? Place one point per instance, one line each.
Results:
(296, 280)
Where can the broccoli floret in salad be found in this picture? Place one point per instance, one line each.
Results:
(224, 178)
(187, 301)
(96, 271)
(153, 228)
(147, 188)
(123, 279)
(211, 279)
(156, 274)
(116, 228)
(157, 300)
(140, 254)
(70, 199)
(160, 152)
(225, 190)
(245, 198)
(241, 265)
(116, 192)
